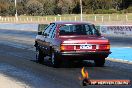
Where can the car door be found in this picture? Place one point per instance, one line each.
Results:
(47, 43)
(52, 36)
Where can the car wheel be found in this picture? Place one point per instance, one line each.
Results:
(39, 56)
(99, 62)
(54, 60)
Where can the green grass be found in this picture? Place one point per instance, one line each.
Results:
(73, 17)
(86, 17)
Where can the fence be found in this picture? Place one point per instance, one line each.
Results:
(94, 18)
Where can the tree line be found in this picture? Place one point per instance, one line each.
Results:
(54, 7)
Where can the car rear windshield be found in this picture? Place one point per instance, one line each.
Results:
(78, 29)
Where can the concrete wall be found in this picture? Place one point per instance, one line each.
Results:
(107, 30)
(118, 30)
(23, 27)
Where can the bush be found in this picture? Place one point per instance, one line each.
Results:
(129, 9)
(103, 11)
(88, 11)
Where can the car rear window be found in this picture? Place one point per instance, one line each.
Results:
(78, 29)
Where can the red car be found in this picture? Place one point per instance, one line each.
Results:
(72, 41)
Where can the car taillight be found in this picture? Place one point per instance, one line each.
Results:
(66, 47)
(104, 47)
(62, 47)
(108, 46)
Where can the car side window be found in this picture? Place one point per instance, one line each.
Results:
(52, 31)
(48, 29)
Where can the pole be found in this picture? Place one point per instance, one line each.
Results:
(81, 10)
(16, 10)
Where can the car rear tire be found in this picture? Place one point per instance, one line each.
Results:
(39, 56)
(54, 60)
(99, 62)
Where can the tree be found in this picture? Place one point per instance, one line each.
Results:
(34, 7)
(54, 7)
(4, 6)
(126, 4)
(21, 7)
(117, 4)
(76, 9)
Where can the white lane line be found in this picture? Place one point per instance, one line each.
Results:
(119, 60)
(121, 47)
(9, 82)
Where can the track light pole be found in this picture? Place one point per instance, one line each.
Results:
(16, 10)
(81, 16)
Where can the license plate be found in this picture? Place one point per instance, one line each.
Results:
(86, 46)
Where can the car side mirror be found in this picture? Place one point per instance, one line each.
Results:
(45, 34)
(40, 33)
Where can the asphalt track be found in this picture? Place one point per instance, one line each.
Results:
(17, 58)
(120, 46)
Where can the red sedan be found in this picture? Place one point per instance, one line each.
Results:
(72, 41)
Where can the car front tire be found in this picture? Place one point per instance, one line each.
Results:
(39, 56)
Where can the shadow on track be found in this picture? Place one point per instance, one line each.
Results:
(69, 64)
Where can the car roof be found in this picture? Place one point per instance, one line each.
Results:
(71, 22)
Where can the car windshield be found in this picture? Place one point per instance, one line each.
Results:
(78, 29)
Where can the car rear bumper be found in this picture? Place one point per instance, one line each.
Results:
(84, 53)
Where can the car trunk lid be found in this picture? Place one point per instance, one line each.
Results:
(84, 43)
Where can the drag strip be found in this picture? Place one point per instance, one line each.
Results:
(17, 60)
(123, 41)
(23, 63)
